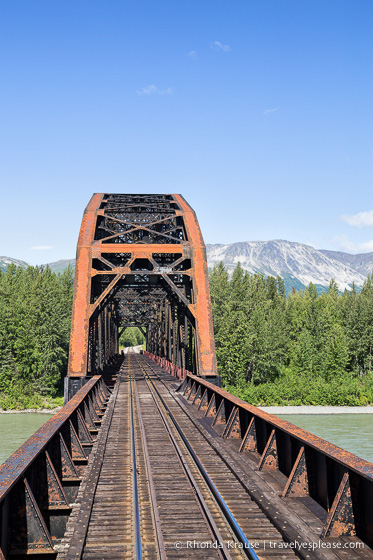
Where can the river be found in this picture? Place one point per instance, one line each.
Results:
(16, 428)
(353, 432)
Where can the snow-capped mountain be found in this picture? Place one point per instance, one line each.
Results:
(363, 263)
(298, 264)
(295, 262)
(4, 261)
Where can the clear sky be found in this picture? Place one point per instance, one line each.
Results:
(258, 111)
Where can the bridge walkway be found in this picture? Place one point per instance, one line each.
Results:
(178, 517)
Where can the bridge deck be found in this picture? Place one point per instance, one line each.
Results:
(177, 514)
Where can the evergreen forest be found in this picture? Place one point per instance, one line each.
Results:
(35, 317)
(304, 348)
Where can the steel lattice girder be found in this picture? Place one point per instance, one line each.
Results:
(141, 261)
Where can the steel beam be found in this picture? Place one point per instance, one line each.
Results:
(141, 260)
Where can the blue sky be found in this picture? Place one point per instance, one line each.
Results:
(259, 112)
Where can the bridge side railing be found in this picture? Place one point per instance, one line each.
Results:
(172, 369)
(340, 482)
(40, 481)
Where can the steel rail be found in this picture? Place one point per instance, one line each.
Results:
(157, 521)
(248, 548)
(290, 532)
(223, 553)
(136, 504)
(338, 481)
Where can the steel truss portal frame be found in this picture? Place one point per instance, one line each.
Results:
(141, 261)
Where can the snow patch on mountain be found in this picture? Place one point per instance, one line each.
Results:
(363, 262)
(4, 261)
(285, 258)
(290, 260)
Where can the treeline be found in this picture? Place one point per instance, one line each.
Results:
(131, 336)
(35, 316)
(301, 349)
(271, 349)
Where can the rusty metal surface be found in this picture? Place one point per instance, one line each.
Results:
(141, 261)
(205, 332)
(340, 482)
(334, 452)
(171, 368)
(80, 318)
(293, 518)
(40, 481)
(297, 484)
(341, 515)
(345, 458)
(13, 468)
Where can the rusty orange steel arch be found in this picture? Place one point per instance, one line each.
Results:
(141, 261)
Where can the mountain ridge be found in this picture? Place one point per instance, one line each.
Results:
(297, 263)
(288, 259)
(4, 261)
(363, 262)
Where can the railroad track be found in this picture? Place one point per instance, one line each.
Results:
(185, 511)
(158, 491)
(114, 514)
(228, 512)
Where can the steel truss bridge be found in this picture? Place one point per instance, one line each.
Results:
(141, 261)
(150, 457)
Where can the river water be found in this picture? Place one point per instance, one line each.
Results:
(353, 432)
(16, 428)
